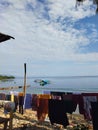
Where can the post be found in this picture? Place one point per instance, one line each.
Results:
(24, 88)
(11, 120)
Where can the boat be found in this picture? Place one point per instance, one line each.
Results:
(42, 82)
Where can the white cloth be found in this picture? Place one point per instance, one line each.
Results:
(87, 104)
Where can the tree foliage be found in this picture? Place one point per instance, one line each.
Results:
(5, 77)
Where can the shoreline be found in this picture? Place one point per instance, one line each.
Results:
(28, 121)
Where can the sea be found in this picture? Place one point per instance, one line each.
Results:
(76, 84)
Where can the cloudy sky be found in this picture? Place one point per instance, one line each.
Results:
(53, 37)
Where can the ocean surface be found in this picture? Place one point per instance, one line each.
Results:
(76, 84)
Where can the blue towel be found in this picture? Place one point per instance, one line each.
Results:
(46, 92)
(28, 101)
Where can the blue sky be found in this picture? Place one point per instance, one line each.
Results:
(51, 36)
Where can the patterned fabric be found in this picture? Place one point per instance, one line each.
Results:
(8, 105)
(2, 96)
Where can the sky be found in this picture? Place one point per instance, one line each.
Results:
(53, 38)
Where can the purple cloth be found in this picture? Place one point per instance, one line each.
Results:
(28, 101)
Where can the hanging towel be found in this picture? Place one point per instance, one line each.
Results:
(55, 93)
(21, 103)
(28, 101)
(57, 112)
(42, 109)
(94, 113)
(87, 106)
(34, 102)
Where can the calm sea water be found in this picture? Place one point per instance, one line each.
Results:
(64, 84)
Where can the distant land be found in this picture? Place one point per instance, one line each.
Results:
(5, 77)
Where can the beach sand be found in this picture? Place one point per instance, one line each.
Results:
(28, 121)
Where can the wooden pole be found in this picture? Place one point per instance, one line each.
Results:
(11, 120)
(24, 88)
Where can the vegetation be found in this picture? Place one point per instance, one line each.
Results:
(4, 77)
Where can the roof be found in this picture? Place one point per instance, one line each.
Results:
(4, 37)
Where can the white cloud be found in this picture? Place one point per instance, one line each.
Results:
(39, 38)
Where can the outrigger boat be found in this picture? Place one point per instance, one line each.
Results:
(42, 82)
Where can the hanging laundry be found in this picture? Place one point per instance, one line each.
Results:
(42, 106)
(87, 105)
(42, 109)
(34, 102)
(57, 111)
(28, 101)
(94, 113)
(56, 93)
(21, 102)
(2, 96)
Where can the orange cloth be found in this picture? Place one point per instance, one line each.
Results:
(42, 109)
(20, 94)
(42, 106)
(44, 96)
